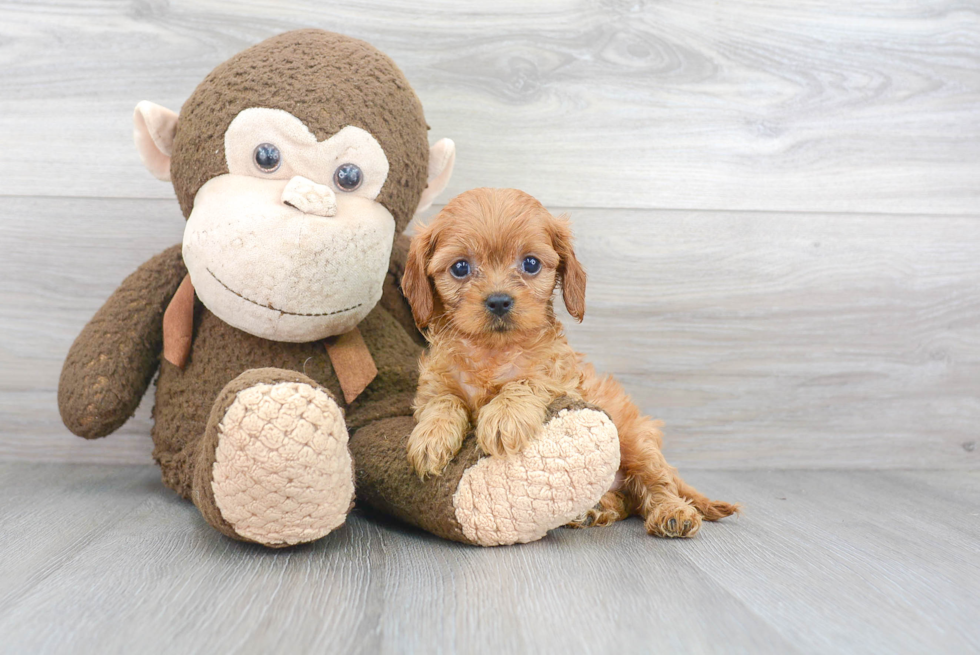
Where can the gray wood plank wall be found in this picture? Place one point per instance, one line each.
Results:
(778, 203)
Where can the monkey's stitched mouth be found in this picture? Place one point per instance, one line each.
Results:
(275, 309)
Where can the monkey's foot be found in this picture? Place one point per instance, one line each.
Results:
(553, 480)
(493, 501)
(274, 466)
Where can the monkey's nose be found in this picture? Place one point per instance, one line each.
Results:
(309, 197)
(499, 304)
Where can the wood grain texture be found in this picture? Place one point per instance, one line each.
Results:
(870, 106)
(847, 561)
(800, 340)
(61, 260)
(790, 340)
(805, 570)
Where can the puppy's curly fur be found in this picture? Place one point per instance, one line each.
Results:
(480, 279)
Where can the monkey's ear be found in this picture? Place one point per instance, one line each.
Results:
(415, 281)
(569, 269)
(442, 156)
(153, 131)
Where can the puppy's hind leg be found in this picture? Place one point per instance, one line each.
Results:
(651, 488)
(611, 507)
(711, 510)
(670, 507)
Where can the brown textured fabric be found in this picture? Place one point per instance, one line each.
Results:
(178, 324)
(566, 402)
(202, 456)
(392, 298)
(220, 353)
(386, 482)
(326, 80)
(352, 362)
(112, 361)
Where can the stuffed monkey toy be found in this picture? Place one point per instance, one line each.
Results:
(287, 356)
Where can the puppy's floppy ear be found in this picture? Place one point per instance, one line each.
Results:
(415, 282)
(569, 269)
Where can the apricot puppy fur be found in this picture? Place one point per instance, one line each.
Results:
(480, 279)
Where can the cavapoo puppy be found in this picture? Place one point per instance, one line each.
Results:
(480, 278)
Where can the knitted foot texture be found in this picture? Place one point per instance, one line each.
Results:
(282, 473)
(558, 477)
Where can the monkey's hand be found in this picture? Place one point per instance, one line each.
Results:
(506, 424)
(112, 361)
(438, 435)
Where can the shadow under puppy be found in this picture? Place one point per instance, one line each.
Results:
(480, 279)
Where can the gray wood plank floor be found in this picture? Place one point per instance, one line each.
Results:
(103, 559)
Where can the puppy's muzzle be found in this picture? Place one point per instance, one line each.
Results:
(499, 304)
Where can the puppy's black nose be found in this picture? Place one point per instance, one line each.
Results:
(499, 303)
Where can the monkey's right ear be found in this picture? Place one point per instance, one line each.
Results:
(153, 131)
(442, 157)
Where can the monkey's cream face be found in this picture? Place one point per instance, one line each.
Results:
(290, 244)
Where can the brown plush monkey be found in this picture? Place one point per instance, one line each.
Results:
(278, 328)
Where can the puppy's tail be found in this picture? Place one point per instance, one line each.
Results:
(712, 510)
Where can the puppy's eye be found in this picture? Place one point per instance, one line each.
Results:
(348, 177)
(267, 157)
(531, 265)
(460, 269)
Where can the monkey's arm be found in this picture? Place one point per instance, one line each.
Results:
(112, 361)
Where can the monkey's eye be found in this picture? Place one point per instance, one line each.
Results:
(531, 265)
(267, 157)
(460, 269)
(348, 177)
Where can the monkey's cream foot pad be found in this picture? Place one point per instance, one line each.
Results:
(559, 476)
(282, 473)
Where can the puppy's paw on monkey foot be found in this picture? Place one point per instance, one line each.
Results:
(673, 520)
(503, 430)
(431, 446)
(558, 477)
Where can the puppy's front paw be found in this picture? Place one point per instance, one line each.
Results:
(432, 445)
(504, 429)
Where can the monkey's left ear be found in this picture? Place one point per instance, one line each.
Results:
(154, 127)
(442, 156)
